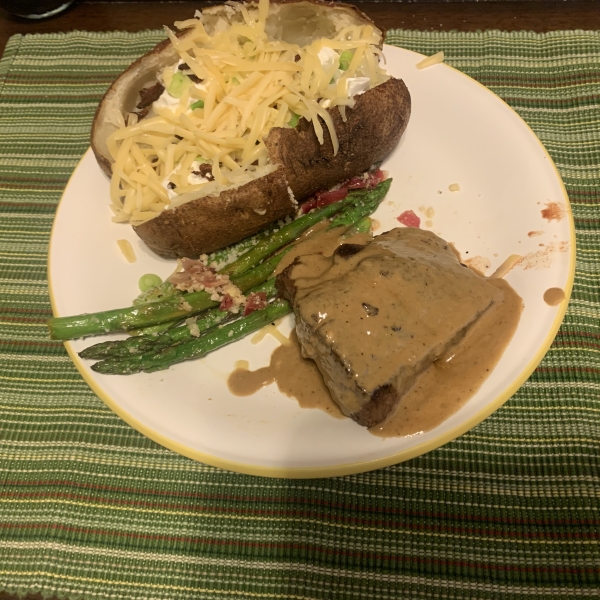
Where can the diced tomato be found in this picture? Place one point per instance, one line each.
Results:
(327, 198)
(369, 180)
(376, 177)
(309, 205)
(196, 276)
(226, 303)
(255, 301)
(356, 183)
(409, 219)
(321, 199)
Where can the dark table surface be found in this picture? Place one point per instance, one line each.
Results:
(533, 15)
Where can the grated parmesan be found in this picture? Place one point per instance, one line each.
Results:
(193, 326)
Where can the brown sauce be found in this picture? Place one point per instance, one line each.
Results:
(380, 314)
(455, 377)
(437, 394)
(296, 377)
(470, 321)
(554, 296)
(323, 241)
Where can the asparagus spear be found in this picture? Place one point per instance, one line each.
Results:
(195, 348)
(363, 226)
(358, 210)
(291, 231)
(176, 335)
(153, 330)
(170, 309)
(139, 354)
(226, 255)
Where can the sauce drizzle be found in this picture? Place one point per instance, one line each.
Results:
(554, 296)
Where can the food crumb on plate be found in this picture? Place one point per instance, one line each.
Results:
(553, 211)
(479, 264)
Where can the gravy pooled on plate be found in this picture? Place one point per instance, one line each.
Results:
(400, 331)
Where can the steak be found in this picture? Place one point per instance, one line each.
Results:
(374, 317)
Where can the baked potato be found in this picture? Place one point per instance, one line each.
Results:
(249, 108)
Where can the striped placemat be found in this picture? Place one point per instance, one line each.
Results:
(91, 509)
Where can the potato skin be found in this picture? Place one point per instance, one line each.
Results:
(371, 130)
(212, 222)
(122, 95)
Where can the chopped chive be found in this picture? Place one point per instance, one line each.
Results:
(179, 84)
(294, 120)
(149, 281)
(345, 59)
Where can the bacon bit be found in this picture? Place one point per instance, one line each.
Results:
(205, 170)
(377, 177)
(255, 301)
(141, 114)
(226, 303)
(409, 219)
(151, 94)
(196, 276)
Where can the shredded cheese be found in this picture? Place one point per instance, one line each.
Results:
(127, 249)
(270, 329)
(431, 60)
(249, 84)
(506, 266)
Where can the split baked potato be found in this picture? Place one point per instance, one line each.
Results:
(248, 109)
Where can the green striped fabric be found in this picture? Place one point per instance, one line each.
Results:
(89, 508)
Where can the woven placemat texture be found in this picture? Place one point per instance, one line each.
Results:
(89, 508)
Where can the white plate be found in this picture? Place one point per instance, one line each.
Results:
(459, 132)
